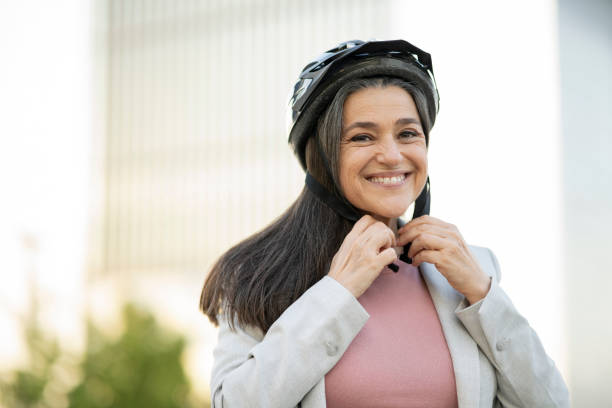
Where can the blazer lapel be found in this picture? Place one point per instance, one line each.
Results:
(463, 349)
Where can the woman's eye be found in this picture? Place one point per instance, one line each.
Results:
(408, 134)
(360, 138)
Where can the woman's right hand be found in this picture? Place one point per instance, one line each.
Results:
(365, 251)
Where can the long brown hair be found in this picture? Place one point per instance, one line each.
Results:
(257, 279)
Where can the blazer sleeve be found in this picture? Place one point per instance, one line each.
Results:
(277, 369)
(526, 376)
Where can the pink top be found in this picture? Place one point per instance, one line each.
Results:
(400, 358)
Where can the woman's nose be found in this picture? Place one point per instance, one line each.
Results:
(389, 153)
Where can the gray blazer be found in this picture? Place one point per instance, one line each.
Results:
(498, 359)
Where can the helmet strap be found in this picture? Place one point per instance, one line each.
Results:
(421, 207)
(346, 209)
(422, 203)
(325, 162)
(331, 200)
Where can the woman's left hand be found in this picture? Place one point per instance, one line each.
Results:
(440, 243)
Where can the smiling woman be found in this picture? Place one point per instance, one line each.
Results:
(308, 309)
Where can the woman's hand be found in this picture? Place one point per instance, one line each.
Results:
(365, 251)
(439, 243)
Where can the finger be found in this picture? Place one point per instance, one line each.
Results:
(428, 242)
(360, 226)
(426, 255)
(424, 219)
(425, 223)
(380, 236)
(419, 220)
(410, 235)
(386, 257)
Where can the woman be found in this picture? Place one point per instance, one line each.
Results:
(338, 302)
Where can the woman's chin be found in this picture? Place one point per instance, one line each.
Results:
(389, 213)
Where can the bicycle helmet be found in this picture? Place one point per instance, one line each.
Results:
(322, 78)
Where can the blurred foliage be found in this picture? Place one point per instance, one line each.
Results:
(140, 368)
(25, 387)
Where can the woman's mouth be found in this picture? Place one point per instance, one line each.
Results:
(388, 181)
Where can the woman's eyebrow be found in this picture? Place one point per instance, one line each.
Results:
(372, 125)
(367, 125)
(407, 121)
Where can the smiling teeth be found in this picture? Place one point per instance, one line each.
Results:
(388, 180)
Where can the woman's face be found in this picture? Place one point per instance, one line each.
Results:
(383, 154)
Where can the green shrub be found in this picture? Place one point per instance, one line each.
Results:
(141, 368)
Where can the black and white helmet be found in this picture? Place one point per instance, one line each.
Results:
(322, 78)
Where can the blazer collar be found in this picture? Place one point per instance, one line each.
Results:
(463, 349)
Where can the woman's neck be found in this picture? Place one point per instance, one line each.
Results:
(389, 222)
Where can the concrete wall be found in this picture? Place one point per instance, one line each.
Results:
(585, 36)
